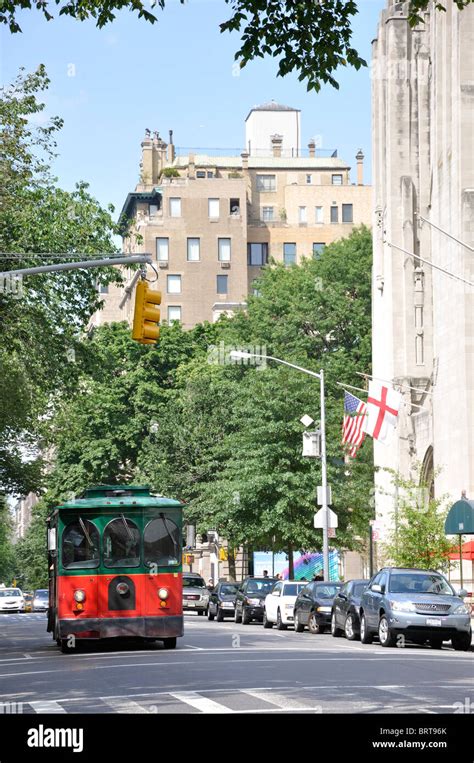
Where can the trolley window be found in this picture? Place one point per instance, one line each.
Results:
(80, 546)
(121, 543)
(162, 542)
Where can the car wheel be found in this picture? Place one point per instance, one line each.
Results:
(386, 635)
(219, 615)
(245, 617)
(210, 616)
(299, 627)
(169, 643)
(280, 624)
(462, 641)
(266, 621)
(335, 631)
(237, 617)
(200, 612)
(365, 635)
(349, 628)
(313, 626)
(436, 643)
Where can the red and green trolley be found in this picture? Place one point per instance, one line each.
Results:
(115, 566)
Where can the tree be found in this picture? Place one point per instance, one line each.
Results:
(417, 538)
(42, 322)
(7, 562)
(310, 38)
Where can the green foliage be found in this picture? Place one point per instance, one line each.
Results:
(311, 39)
(417, 538)
(7, 559)
(31, 560)
(170, 172)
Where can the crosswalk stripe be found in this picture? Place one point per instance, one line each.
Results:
(201, 703)
(125, 706)
(280, 700)
(47, 706)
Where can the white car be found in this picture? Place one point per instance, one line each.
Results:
(280, 602)
(11, 600)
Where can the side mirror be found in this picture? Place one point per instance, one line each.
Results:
(342, 596)
(275, 593)
(52, 539)
(376, 588)
(462, 593)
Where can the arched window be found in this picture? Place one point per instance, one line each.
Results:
(121, 543)
(162, 542)
(80, 545)
(427, 471)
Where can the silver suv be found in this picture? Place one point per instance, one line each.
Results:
(419, 604)
(195, 593)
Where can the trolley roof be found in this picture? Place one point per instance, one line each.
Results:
(106, 496)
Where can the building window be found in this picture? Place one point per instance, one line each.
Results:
(302, 217)
(193, 249)
(309, 179)
(266, 182)
(200, 174)
(318, 249)
(336, 179)
(234, 207)
(173, 284)
(210, 174)
(347, 216)
(222, 284)
(153, 209)
(257, 254)
(174, 313)
(213, 207)
(103, 288)
(318, 214)
(223, 247)
(289, 253)
(162, 249)
(267, 214)
(175, 207)
(334, 214)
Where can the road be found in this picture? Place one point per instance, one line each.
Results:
(229, 668)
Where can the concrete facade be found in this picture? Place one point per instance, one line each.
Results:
(199, 215)
(423, 320)
(23, 514)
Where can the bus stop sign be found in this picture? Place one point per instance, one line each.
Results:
(460, 519)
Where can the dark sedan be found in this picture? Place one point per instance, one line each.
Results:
(313, 606)
(345, 610)
(222, 601)
(250, 599)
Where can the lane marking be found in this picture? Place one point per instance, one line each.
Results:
(47, 706)
(280, 700)
(125, 705)
(201, 703)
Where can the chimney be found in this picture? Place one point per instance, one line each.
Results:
(171, 151)
(277, 141)
(191, 167)
(312, 149)
(146, 174)
(360, 167)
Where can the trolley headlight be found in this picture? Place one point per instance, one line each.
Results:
(79, 595)
(163, 593)
(122, 588)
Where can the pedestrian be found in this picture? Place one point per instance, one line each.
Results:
(265, 573)
(318, 576)
(210, 584)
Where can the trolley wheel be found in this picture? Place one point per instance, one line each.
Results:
(169, 643)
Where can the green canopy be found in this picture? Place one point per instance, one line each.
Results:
(460, 519)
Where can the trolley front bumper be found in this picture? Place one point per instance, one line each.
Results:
(135, 627)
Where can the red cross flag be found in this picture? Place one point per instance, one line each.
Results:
(383, 404)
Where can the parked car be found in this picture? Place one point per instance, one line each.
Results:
(28, 597)
(419, 604)
(345, 610)
(11, 600)
(279, 604)
(41, 600)
(195, 593)
(313, 606)
(250, 599)
(222, 601)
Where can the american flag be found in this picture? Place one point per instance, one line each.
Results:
(352, 427)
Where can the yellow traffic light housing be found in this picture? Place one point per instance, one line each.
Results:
(147, 316)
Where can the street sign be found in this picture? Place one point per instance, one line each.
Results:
(306, 420)
(319, 519)
(320, 495)
(331, 532)
(312, 444)
(375, 535)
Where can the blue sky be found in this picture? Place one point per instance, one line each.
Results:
(109, 85)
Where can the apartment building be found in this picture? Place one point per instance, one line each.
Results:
(212, 221)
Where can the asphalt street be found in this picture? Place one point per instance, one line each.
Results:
(229, 668)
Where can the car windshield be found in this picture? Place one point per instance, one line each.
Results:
(260, 586)
(327, 590)
(293, 589)
(429, 582)
(41, 594)
(359, 589)
(10, 592)
(228, 589)
(193, 582)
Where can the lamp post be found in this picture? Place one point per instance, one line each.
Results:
(237, 354)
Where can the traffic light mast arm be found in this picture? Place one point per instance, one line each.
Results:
(132, 259)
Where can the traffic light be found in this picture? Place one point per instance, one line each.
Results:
(147, 315)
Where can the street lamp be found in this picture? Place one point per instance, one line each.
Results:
(237, 354)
